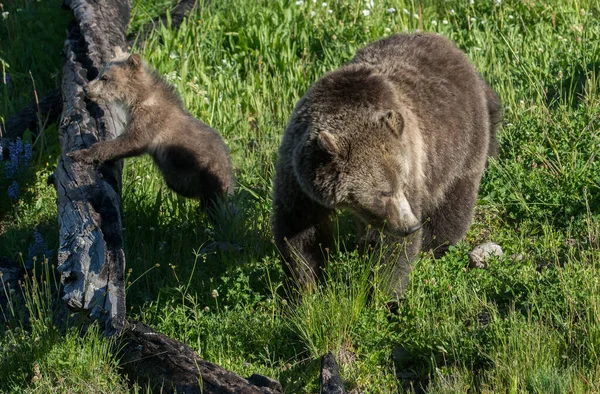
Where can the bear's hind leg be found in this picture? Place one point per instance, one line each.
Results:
(303, 231)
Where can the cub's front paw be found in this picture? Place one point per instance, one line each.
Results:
(82, 155)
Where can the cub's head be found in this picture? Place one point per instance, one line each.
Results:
(356, 154)
(119, 80)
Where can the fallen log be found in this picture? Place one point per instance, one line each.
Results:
(91, 260)
(166, 365)
(331, 382)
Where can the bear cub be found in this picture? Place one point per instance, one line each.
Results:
(399, 137)
(191, 156)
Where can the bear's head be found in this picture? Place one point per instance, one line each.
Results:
(356, 154)
(120, 80)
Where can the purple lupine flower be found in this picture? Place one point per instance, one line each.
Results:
(13, 191)
(20, 156)
(27, 154)
(12, 165)
(37, 248)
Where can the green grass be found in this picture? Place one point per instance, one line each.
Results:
(524, 325)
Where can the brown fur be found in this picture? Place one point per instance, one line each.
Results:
(191, 156)
(400, 137)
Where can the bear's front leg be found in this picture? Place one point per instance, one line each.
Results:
(126, 145)
(396, 255)
(399, 253)
(303, 233)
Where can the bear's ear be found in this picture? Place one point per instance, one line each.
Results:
(393, 121)
(118, 51)
(328, 142)
(134, 61)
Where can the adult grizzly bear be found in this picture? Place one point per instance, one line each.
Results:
(400, 137)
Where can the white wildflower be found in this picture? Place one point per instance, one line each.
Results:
(391, 10)
(312, 13)
(5, 15)
(407, 12)
(387, 30)
(471, 2)
(473, 20)
(299, 2)
(324, 5)
(369, 4)
(366, 12)
(171, 76)
(434, 22)
(452, 12)
(445, 22)
(582, 12)
(330, 11)
(416, 16)
(497, 2)
(510, 17)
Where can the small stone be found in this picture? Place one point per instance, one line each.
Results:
(479, 256)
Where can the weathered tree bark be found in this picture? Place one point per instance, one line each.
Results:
(178, 13)
(46, 112)
(90, 256)
(331, 382)
(165, 364)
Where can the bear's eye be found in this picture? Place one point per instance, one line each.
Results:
(104, 78)
(386, 194)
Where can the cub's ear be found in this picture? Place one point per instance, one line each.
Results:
(118, 51)
(134, 61)
(328, 142)
(393, 121)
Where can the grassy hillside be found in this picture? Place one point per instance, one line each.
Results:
(526, 324)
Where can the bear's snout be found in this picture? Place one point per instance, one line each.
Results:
(400, 218)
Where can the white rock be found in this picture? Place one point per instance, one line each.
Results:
(479, 256)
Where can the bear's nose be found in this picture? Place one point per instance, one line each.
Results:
(414, 228)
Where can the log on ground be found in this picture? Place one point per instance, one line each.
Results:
(90, 256)
(166, 365)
